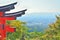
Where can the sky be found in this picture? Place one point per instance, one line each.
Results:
(34, 5)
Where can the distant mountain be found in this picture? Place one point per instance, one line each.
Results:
(39, 21)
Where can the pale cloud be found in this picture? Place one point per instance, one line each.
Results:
(34, 5)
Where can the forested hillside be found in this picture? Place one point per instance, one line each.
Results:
(22, 31)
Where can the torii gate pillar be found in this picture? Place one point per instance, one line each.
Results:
(4, 28)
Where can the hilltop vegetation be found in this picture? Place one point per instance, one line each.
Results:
(22, 31)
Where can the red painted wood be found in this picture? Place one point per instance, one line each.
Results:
(4, 19)
(1, 13)
(2, 34)
(9, 29)
(3, 27)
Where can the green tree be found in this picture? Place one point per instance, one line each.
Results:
(21, 30)
(53, 32)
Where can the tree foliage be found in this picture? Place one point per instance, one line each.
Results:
(21, 29)
(53, 32)
(22, 33)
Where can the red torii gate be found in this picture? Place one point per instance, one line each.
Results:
(7, 16)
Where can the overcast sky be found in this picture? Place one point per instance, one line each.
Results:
(34, 5)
